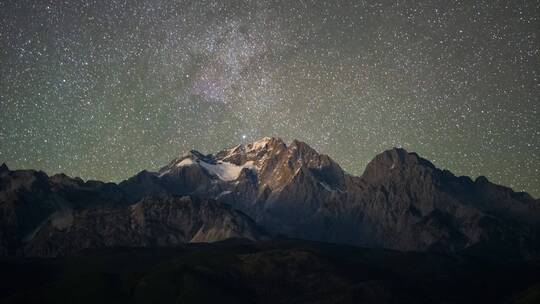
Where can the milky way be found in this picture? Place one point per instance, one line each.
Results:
(104, 89)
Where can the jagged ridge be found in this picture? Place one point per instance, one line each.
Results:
(402, 201)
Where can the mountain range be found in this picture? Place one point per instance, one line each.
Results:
(264, 190)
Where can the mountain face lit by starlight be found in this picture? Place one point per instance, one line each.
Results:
(104, 89)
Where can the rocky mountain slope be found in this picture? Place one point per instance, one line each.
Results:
(402, 201)
(42, 216)
(164, 221)
(29, 199)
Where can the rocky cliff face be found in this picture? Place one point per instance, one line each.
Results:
(402, 201)
(282, 187)
(58, 215)
(164, 221)
(25, 201)
(427, 208)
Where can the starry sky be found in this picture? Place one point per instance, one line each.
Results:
(104, 89)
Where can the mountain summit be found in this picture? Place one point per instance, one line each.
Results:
(266, 188)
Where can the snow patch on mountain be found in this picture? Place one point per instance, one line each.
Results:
(226, 171)
(223, 193)
(185, 162)
(330, 189)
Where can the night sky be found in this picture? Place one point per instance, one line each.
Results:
(104, 89)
